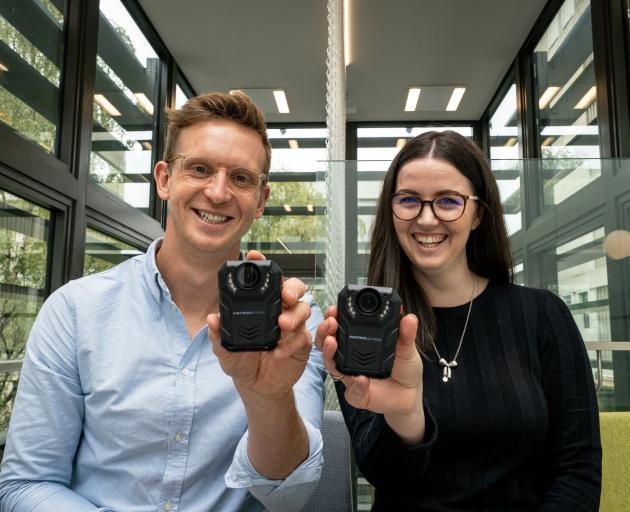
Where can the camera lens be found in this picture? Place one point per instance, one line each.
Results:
(368, 301)
(248, 275)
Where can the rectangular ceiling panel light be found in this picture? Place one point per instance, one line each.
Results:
(144, 102)
(547, 96)
(412, 99)
(293, 144)
(400, 143)
(587, 99)
(106, 105)
(281, 101)
(346, 31)
(456, 97)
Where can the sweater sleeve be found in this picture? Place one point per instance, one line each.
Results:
(573, 442)
(384, 459)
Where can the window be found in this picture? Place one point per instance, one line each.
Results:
(125, 107)
(103, 252)
(31, 57)
(24, 236)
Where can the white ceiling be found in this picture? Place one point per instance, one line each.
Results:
(249, 44)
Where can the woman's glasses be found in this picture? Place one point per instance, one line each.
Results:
(446, 207)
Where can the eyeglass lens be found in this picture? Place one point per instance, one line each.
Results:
(447, 207)
(241, 180)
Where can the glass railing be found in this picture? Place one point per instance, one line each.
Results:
(569, 226)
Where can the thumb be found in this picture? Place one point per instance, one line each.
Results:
(254, 255)
(406, 346)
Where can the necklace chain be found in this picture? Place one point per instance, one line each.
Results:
(448, 366)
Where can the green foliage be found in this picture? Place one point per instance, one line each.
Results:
(290, 228)
(23, 253)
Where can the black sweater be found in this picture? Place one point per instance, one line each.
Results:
(516, 429)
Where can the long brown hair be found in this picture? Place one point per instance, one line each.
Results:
(488, 246)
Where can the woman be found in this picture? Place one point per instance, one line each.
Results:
(491, 403)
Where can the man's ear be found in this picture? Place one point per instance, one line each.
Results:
(264, 195)
(162, 178)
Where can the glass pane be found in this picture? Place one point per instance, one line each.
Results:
(103, 252)
(31, 58)
(24, 235)
(286, 234)
(127, 75)
(180, 96)
(297, 149)
(565, 85)
(504, 139)
(377, 147)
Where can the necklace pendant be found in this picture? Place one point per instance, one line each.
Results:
(446, 373)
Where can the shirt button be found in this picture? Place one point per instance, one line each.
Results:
(174, 308)
(168, 506)
(178, 437)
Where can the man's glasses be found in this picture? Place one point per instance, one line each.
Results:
(242, 181)
(446, 207)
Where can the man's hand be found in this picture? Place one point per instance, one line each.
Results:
(398, 397)
(273, 373)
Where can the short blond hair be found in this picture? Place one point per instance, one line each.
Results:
(236, 106)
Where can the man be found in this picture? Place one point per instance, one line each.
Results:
(122, 403)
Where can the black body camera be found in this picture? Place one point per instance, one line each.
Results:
(368, 319)
(250, 304)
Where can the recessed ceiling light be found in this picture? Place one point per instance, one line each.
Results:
(400, 143)
(106, 105)
(281, 101)
(293, 144)
(548, 141)
(3, 67)
(412, 99)
(547, 96)
(511, 142)
(146, 105)
(587, 99)
(147, 146)
(456, 97)
(287, 208)
(310, 208)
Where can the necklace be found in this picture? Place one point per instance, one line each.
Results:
(448, 366)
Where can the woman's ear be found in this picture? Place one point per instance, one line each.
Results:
(478, 217)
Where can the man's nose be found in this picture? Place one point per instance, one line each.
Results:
(218, 190)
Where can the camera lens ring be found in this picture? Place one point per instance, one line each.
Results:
(368, 301)
(248, 275)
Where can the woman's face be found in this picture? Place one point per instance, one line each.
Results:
(432, 245)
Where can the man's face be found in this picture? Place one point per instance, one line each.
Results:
(209, 217)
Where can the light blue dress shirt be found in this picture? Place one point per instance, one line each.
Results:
(118, 410)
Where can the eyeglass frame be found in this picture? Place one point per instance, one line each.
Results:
(262, 177)
(465, 197)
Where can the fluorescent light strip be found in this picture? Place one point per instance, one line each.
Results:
(310, 208)
(144, 102)
(548, 141)
(346, 31)
(412, 99)
(587, 99)
(281, 101)
(293, 144)
(547, 96)
(511, 142)
(106, 105)
(287, 208)
(400, 143)
(3, 67)
(456, 97)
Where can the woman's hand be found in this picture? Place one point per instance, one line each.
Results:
(399, 397)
